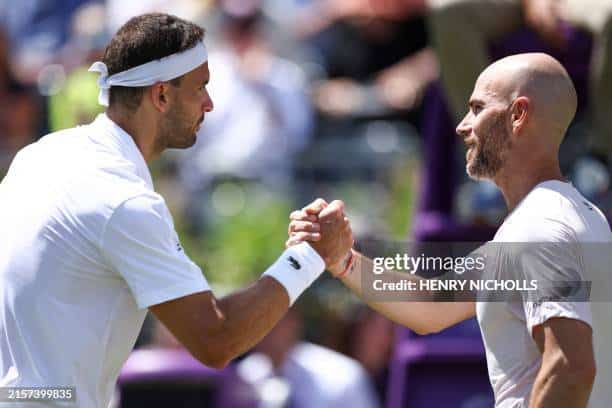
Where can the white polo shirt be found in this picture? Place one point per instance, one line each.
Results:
(552, 213)
(86, 245)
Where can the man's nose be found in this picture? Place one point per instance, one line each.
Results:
(208, 105)
(464, 128)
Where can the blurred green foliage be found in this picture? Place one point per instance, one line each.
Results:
(77, 101)
(237, 248)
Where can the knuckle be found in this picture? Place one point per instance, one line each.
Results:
(339, 204)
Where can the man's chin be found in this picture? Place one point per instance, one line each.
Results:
(191, 141)
(475, 174)
(185, 143)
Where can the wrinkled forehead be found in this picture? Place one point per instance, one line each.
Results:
(493, 84)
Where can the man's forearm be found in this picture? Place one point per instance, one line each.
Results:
(421, 316)
(248, 315)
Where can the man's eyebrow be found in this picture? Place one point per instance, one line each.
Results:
(475, 101)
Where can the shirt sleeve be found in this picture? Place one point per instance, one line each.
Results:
(140, 243)
(539, 313)
(557, 265)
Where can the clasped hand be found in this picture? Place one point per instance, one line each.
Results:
(327, 229)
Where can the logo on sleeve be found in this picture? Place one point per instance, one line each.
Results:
(294, 263)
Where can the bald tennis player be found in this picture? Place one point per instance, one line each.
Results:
(539, 354)
(88, 246)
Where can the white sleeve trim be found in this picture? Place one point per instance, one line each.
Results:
(177, 291)
(548, 310)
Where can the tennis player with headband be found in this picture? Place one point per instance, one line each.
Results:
(88, 245)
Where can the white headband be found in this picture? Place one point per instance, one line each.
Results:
(164, 69)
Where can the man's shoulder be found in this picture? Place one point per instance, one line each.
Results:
(547, 201)
(50, 143)
(541, 216)
(554, 214)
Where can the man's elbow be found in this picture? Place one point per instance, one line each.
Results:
(217, 359)
(213, 348)
(427, 329)
(216, 362)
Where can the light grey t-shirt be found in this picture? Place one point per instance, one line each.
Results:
(552, 214)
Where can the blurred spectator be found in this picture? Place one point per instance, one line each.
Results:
(373, 53)
(370, 340)
(120, 11)
(312, 375)
(38, 30)
(285, 371)
(19, 107)
(463, 29)
(262, 116)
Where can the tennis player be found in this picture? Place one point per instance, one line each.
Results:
(539, 353)
(88, 246)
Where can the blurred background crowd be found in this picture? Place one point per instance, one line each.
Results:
(349, 99)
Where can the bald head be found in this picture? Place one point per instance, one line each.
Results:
(519, 112)
(543, 80)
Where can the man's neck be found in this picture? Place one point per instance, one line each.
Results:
(141, 130)
(515, 185)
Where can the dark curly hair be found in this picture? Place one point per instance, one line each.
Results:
(142, 39)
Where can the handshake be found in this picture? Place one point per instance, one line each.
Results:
(328, 231)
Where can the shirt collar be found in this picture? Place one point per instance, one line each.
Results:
(125, 145)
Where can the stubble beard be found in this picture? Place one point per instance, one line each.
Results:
(176, 131)
(488, 155)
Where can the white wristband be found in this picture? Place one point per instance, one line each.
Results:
(296, 269)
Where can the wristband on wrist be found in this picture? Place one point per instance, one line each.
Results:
(296, 269)
(348, 265)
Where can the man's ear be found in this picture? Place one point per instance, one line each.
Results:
(160, 96)
(519, 112)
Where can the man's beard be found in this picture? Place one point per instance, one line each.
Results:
(488, 156)
(176, 130)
